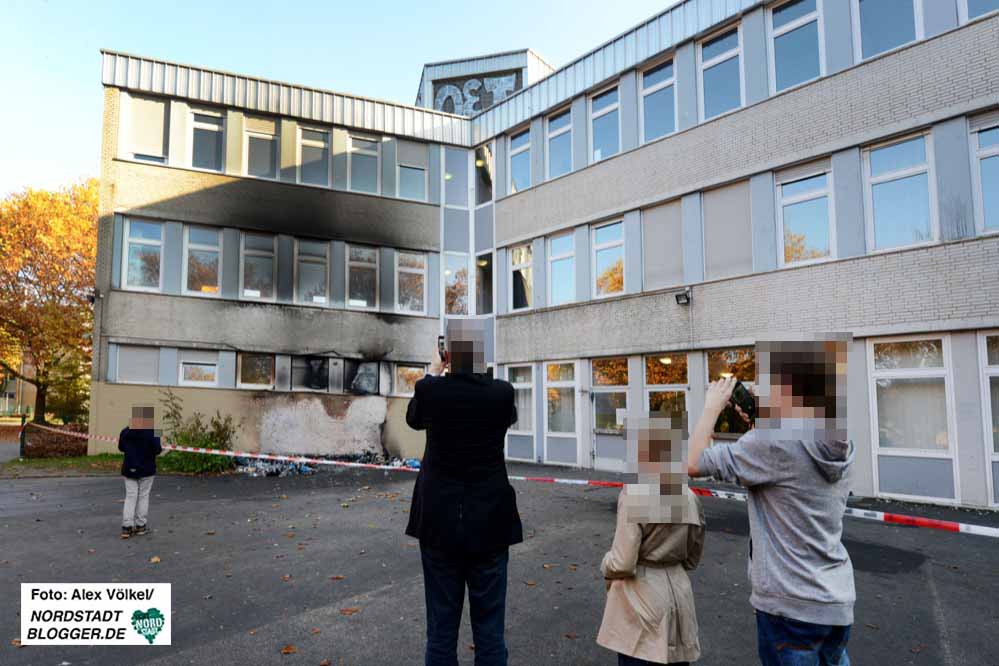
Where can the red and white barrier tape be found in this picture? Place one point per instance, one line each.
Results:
(864, 514)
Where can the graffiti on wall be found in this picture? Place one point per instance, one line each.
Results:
(469, 95)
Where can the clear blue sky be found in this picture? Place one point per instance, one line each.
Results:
(50, 66)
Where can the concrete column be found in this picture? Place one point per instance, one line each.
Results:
(386, 279)
(116, 252)
(636, 383)
(627, 91)
(112, 373)
(501, 275)
(500, 185)
(434, 174)
(230, 263)
(580, 133)
(288, 160)
(233, 142)
(173, 259)
(633, 269)
(838, 35)
(754, 56)
(339, 148)
(952, 168)
(389, 160)
(584, 292)
(848, 194)
(282, 373)
(540, 273)
(764, 221)
(697, 373)
(538, 173)
(227, 369)
(686, 86)
(539, 410)
(338, 275)
(168, 366)
(177, 150)
(971, 458)
(433, 285)
(693, 239)
(285, 269)
(858, 412)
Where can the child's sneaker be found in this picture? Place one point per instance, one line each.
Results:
(126, 532)
(140, 530)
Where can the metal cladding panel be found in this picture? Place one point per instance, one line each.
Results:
(653, 36)
(199, 85)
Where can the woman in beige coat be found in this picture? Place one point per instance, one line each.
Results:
(649, 617)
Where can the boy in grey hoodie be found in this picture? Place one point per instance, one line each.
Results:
(795, 464)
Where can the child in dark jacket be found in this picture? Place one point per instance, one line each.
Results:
(140, 445)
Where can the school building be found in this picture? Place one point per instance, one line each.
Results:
(627, 225)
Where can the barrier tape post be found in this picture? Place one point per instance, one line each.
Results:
(863, 514)
(22, 436)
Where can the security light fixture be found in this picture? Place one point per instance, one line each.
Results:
(665, 360)
(682, 297)
(480, 163)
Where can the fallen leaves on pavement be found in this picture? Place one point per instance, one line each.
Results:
(286, 577)
(349, 611)
(315, 630)
(289, 649)
(155, 559)
(336, 577)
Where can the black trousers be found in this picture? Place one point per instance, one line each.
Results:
(625, 660)
(445, 577)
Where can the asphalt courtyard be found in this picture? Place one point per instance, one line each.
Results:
(259, 564)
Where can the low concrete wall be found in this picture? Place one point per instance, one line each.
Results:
(291, 423)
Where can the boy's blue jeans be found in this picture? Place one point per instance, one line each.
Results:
(786, 642)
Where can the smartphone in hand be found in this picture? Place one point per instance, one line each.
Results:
(745, 400)
(441, 351)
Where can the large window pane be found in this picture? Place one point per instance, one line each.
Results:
(310, 373)
(990, 192)
(658, 74)
(666, 369)
(610, 371)
(258, 276)
(979, 7)
(610, 270)
(315, 165)
(406, 377)
(456, 284)
(143, 266)
(792, 11)
(560, 155)
(361, 377)
(992, 350)
(994, 401)
(796, 56)
(563, 282)
(364, 173)
(608, 233)
(803, 186)
(203, 271)
(739, 363)
(561, 372)
(606, 141)
(605, 406)
(362, 287)
(806, 230)
(198, 373)
(908, 354)
(885, 24)
(520, 171)
(912, 413)
(261, 159)
(525, 410)
(484, 284)
(520, 375)
(411, 287)
(562, 410)
(901, 212)
(456, 177)
(604, 100)
(311, 282)
(722, 88)
(256, 369)
(144, 230)
(522, 285)
(412, 183)
(667, 402)
(898, 156)
(659, 117)
(719, 45)
(207, 149)
(483, 174)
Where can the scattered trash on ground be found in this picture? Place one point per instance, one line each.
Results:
(281, 468)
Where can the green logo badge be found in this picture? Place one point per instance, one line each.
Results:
(148, 623)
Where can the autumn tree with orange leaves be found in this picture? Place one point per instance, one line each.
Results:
(48, 250)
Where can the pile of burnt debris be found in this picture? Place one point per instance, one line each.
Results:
(283, 468)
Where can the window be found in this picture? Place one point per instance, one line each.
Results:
(560, 393)
(260, 148)
(658, 101)
(561, 269)
(406, 377)
(522, 380)
(257, 270)
(149, 129)
(608, 259)
(412, 175)
(314, 157)
(974, 8)
(256, 371)
(559, 154)
(410, 282)
(610, 393)
(456, 283)
(311, 272)
(362, 277)
(198, 368)
(363, 164)
(361, 377)
(605, 128)
(738, 362)
(991, 379)
(484, 284)
(310, 373)
(666, 384)
(207, 141)
(986, 151)
(795, 46)
(804, 218)
(138, 365)
(910, 395)
(882, 25)
(899, 194)
(521, 282)
(202, 264)
(143, 256)
(520, 161)
(484, 162)
(456, 177)
(721, 73)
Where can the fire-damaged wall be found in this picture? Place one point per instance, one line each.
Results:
(290, 423)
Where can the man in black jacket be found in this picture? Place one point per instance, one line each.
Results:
(140, 445)
(464, 511)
